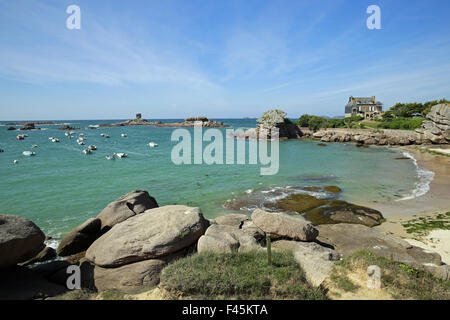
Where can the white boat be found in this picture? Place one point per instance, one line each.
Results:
(123, 135)
(67, 134)
(102, 134)
(81, 143)
(110, 157)
(152, 144)
(87, 151)
(16, 161)
(92, 147)
(81, 134)
(34, 146)
(121, 155)
(20, 137)
(55, 140)
(51, 138)
(28, 153)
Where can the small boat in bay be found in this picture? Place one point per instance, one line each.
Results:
(121, 155)
(28, 153)
(152, 144)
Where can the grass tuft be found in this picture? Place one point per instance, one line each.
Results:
(210, 275)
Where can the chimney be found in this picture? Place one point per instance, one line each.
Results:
(350, 99)
(373, 99)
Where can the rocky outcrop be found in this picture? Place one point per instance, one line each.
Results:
(226, 238)
(232, 219)
(80, 238)
(271, 119)
(284, 225)
(365, 136)
(436, 128)
(20, 240)
(316, 261)
(192, 121)
(29, 126)
(129, 278)
(155, 233)
(349, 238)
(129, 205)
(46, 254)
(67, 127)
(189, 122)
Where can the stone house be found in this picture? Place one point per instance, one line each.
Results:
(368, 108)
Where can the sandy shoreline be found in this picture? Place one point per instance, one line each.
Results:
(436, 199)
(434, 202)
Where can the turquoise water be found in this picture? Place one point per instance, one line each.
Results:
(60, 187)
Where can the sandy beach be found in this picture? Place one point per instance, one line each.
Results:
(435, 201)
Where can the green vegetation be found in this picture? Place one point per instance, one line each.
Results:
(315, 122)
(399, 280)
(343, 283)
(400, 123)
(247, 275)
(423, 225)
(112, 294)
(404, 116)
(407, 110)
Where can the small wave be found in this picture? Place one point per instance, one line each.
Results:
(423, 185)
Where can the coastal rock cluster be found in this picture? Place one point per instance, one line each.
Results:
(271, 119)
(437, 128)
(129, 243)
(188, 122)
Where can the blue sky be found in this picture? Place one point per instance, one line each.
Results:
(222, 59)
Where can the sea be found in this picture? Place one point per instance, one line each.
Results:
(60, 187)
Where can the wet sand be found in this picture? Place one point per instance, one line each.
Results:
(434, 202)
(436, 199)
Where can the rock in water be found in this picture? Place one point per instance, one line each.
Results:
(80, 238)
(129, 205)
(20, 240)
(283, 225)
(344, 212)
(155, 233)
(349, 238)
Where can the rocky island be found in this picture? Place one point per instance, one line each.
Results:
(188, 122)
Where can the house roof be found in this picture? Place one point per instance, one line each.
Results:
(363, 101)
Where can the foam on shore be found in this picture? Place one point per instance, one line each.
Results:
(423, 185)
